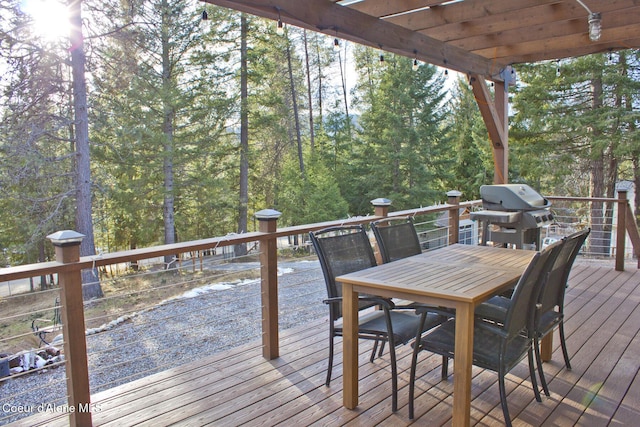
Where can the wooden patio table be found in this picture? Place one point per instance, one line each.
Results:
(456, 276)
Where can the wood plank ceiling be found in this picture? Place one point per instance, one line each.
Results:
(482, 39)
(470, 36)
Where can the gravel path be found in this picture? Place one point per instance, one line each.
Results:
(176, 333)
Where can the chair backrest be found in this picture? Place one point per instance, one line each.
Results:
(523, 300)
(552, 294)
(396, 237)
(342, 250)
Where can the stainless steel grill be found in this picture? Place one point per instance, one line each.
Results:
(512, 214)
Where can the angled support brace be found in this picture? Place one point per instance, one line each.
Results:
(494, 112)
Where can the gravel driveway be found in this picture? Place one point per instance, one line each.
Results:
(176, 333)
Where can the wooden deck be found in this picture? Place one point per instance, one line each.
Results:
(239, 387)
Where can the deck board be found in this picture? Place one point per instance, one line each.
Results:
(239, 387)
(593, 353)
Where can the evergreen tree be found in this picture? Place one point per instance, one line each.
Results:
(401, 152)
(571, 127)
(162, 121)
(243, 182)
(312, 197)
(273, 121)
(473, 164)
(37, 138)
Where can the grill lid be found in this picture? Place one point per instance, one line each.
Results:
(512, 197)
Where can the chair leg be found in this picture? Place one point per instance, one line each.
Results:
(445, 368)
(503, 397)
(330, 367)
(373, 352)
(563, 344)
(532, 374)
(543, 380)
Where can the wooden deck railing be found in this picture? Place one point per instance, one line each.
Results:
(68, 267)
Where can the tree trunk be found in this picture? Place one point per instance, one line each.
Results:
(612, 172)
(635, 163)
(294, 104)
(134, 265)
(243, 209)
(343, 79)
(317, 45)
(310, 99)
(41, 258)
(599, 239)
(84, 223)
(167, 129)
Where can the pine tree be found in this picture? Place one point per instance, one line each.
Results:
(467, 133)
(164, 107)
(401, 152)
(570, 129)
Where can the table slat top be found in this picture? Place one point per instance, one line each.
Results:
(455, 273)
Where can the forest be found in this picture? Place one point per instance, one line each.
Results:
(158, 121)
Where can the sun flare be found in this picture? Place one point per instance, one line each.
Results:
(50, 18)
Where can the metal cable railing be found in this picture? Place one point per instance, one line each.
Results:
(127, 329)
(573, 215)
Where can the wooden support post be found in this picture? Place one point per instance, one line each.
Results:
(268, 219)
(67, 247)
(621, 232)
(453, 198)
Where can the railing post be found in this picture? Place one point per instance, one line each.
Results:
(621, 232)
(268, 219)
(453, 198)
(381, 206)
(381, 209)
(67, 248)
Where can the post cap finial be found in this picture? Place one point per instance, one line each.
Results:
(381, 201)
(65, 237)
(268, 214)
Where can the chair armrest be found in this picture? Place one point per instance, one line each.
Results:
(491, 327)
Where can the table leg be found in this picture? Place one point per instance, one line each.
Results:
(462, 365)
(546, 347)
(350, 346)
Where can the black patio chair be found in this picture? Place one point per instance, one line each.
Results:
(396, 238)
(495, 309)
(496, 346)
(346, 249)
(550, 309)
